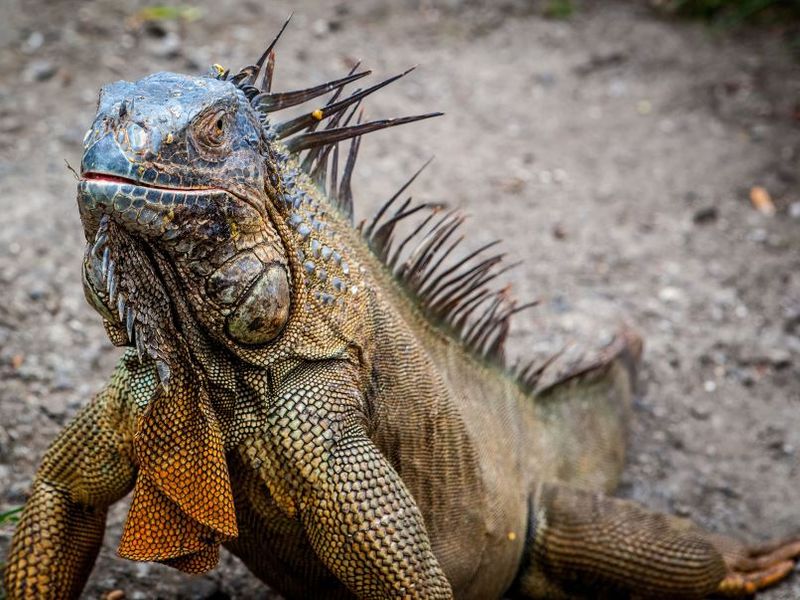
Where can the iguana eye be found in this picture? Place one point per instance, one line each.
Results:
(210, 131)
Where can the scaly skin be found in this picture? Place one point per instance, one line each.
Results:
(293, 401)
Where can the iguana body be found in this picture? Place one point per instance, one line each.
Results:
(343, 426)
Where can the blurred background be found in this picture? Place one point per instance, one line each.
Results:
(641, 158)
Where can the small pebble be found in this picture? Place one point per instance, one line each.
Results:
(700, 412)
(39, 70)
(671, 295)
(545, 79)
(33, 43)
(758, 235)
(706, 215)
(320, 27)
(681, 509)
(168, 46)
(779, 358)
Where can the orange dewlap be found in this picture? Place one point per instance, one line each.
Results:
(182, 506)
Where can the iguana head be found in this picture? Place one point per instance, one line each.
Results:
(176, 184)
(206, 218)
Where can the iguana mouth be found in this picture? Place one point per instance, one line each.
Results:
(143, 208)
(101, 178)
(125, 194)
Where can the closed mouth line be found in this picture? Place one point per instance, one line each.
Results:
(116, 179)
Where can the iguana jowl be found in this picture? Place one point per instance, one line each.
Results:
(329, 403)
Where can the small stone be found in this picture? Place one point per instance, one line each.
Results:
(513, 185)
(727, 490)
(203, 589)
(33, 43)
(17, 493)
(706, 215)
(681, 509)
(700, 412)
(794, 210)
(320, 27)
(168, 46)
(560, 304)
(5, 447)
(758, 235)
(666, 126)
(672, 295)
(39, 70)
(709, 386)
(143, 570)
(53, 407)
(745, 377)
(779, 358)
(63, 382)
(676, 441)
(546, 79)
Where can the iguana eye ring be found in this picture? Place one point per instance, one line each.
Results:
(210, 130)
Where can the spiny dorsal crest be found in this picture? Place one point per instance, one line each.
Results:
(454, 293)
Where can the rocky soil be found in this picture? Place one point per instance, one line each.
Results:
(614, 152)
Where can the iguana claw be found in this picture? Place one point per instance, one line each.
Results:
(760, 567)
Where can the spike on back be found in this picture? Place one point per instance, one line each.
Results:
(455, 293)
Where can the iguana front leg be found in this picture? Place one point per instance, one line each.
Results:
(585, 544)
(88, 467)
(322, 468)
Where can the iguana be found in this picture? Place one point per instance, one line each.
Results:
(329, 402)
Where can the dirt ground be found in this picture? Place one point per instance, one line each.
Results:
(614, 152)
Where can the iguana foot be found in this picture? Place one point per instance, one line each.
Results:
(758, 567)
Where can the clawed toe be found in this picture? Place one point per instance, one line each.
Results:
(776, 551)
(743, 584)
(761, 567)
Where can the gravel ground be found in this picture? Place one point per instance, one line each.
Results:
(614, 152)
